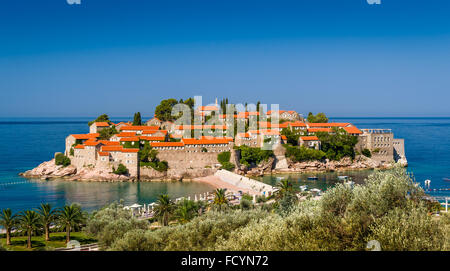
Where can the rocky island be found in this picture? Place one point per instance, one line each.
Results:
(251, 142)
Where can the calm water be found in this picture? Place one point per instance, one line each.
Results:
(24, 143)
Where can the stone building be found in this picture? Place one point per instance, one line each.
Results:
(98, 126)
(311, 142)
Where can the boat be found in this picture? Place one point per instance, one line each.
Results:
(303, 188)
(280, 178)
(343, 178)
(313, 178)
(446, 179)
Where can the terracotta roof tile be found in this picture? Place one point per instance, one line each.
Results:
(167, 144)
(309, 138)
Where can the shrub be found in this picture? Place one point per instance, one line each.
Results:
(253, 156)
(121, 170)
(224, 157)
(338, 144)
(366, 153)
(62, 160)
(227, 166)
(111, 223)
(300, 154)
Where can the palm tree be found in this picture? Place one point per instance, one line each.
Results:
(220, 198)
(29, 221)
(284, 186)
(186, 210)
(164, 208)
(69, 217)
(48, 216)
(8, 221)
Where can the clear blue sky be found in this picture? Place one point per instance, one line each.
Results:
(345, 58)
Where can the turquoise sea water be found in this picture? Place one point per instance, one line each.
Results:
(24, 143)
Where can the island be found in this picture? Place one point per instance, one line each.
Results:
(201, 140)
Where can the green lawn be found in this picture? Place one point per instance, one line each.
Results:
(57, 239)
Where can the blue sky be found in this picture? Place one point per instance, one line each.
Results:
(344, 58)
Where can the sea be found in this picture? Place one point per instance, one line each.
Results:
(26, 142)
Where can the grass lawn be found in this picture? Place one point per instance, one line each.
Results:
(57, 239)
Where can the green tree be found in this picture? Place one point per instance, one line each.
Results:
(338, 144)
(292, 137)
(101, 118)
(319, 118)
(164, 209)
(29, 221)
(121, 170)
(70, 217)
(107, 133)
(220, 198)
(366, 153)
(8, 221)
(164, 110)
(186, 210)
(62, 160)
(47, 216)
(137, 121)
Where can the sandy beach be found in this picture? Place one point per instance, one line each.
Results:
(216, 182)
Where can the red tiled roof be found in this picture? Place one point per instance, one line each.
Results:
(297, 124)
(330, 124)
(352, 130)
(128, 139)
(314, 130)
(103, 153)
(167, 144)
(109, 143)
(86, 136)
(283, 137)
(208, 108)
(130, 150)
(91, 142)
(126, 134)
(149, 132)
(79, 146)
(153, 138)
(101, 124)
(201, 127)
(270, 132)
(138, 128)
(118, 149)
(245, 135)
(193, 141)
(309, 138)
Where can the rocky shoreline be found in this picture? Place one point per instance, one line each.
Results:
(49, 170)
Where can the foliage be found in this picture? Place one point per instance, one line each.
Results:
(48, 216)
(224, 160)
(301, 154)
(107, 133)
(8, 221)
(292, 137)
(148, 157)
(202, 233)
(186, 210)
(220, 198)
(224, 157)
(62, 160)
(164, 209)
(366, 153)
(29, 221)
(253, 156)
(101, 118)
(338, 145)
(164, 110)
(121, 170)
(319, 118)
(137, 120)
(70, 217)
(111, 223)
